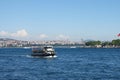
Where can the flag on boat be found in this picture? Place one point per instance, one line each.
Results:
(118, 35)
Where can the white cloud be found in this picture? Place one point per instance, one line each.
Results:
(20, 33)
(62, 37)
(42, 36)
(3, 33)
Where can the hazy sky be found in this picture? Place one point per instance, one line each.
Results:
(60, 19)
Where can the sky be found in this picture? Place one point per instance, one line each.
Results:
(60, 19)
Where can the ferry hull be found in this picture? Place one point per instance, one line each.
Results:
(42, 55)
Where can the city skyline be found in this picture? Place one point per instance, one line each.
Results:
(60, 19)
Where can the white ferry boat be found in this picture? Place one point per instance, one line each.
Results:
(43, 52)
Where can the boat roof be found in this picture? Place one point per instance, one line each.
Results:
(48, 46)
(42, 47)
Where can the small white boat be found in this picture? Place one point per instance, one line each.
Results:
(73, 47)
(26, 47)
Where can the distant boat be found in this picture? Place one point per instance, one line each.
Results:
(26, 47)
(43, 52)
(73, 47)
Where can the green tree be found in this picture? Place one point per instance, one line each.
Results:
(106, 43)
(116, 42)
(92, 43)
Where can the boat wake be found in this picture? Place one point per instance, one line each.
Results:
(50, 56)
(29, 56)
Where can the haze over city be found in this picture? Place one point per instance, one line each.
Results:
(60, 19)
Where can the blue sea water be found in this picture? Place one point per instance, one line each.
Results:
(70, 64)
